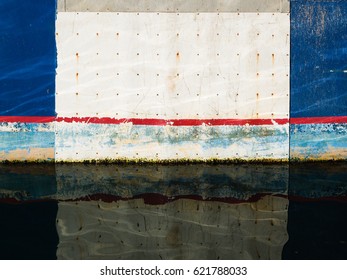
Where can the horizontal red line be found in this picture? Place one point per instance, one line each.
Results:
(27, 119)
(174, 122)
(319, 120)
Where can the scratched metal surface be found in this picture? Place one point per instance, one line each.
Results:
(27, 141)
(173, 6)
(318, 78)
(27, 61)
(318, 58)
(129, 65)
(318, 142)
(82, 141)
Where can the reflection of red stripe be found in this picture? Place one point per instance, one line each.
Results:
(27, 119)
(319, 120)
(175, 122)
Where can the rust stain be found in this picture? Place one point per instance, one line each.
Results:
(76, 76)
(178, 57)
(171, 83)
(258, 56)
(273, 58)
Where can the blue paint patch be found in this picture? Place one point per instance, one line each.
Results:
(318, 141)
(318, 58)
(25, 137)
(27, 58)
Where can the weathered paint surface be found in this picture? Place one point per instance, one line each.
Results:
(318, 141)
(26, 141)
(318, 80)
(169, 66)
(176, 6)
(27, 58)
(27, 79)
(197, 80)
(83, 141)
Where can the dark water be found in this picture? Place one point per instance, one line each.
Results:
(237, 211)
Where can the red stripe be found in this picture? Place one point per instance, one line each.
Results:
(319, 120)
(26, 119)
(174, 122)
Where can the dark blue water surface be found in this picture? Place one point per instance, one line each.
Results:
(236, 211)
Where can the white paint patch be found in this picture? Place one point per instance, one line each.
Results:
(168, 65)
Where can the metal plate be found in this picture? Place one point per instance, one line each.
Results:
(173, 6)
(129, 65)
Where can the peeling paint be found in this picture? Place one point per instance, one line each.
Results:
(79, 142)
(318, 142)
(30, 154)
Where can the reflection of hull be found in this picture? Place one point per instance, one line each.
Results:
(238, 181)
(181, 229)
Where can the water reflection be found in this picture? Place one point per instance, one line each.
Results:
(237, 211)
(180, 229)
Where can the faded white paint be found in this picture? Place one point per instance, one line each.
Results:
(83, 141)
(172, 66)
(129, 65)
(173, 6)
